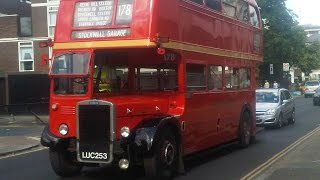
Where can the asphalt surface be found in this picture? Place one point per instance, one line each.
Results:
(19, 133)
(227, 163)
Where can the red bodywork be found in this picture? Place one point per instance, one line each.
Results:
(195, 34)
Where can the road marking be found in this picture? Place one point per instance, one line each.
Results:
(34, 138)
(23, 153)
(276, 157)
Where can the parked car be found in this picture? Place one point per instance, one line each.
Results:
(274, 108)
(316, 97)
(310, 87)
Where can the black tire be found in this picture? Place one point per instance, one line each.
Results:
(245, 130)
(63, 163)
(292, 118)
(164, 162)
(279, 122)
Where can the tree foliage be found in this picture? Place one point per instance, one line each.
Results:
(284, 40)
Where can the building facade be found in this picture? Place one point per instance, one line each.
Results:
(23, 78)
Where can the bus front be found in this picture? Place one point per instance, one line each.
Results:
(112, 86)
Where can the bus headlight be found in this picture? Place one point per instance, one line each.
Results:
(54, 106)
(125, 131)
(63, 129)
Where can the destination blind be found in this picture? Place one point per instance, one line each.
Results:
(93, 13)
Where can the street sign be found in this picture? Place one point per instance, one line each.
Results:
(286, 67)
(271, 68)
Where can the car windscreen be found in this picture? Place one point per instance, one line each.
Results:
(70, 63)
(312, 83)
(267, 97)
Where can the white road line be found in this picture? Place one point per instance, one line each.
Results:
(23, 153)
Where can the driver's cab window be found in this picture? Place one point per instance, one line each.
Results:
(108, 75)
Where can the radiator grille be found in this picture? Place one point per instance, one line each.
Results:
(94, 131)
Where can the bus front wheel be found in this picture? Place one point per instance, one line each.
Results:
(164, 162)
(245, 130)
(63, 163)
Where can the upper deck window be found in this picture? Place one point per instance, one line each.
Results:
(254, 20)
(229, 7)
(214, 4)
(198, 1)
(243, 11)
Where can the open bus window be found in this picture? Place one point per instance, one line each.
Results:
(196, 77)
(70, 63)
(214, 77)
(156, 78)
(232, 78)
(67, 85)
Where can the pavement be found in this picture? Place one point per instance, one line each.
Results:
(19, 133)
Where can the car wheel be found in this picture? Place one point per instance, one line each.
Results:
(245, 130)
(292, 119)
(314, 103)
(63, 163)
(164, 162)
(279, 122)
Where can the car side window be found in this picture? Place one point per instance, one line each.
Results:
(283, 97)
(288, 95)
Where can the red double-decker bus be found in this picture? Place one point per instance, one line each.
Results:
(145, 83)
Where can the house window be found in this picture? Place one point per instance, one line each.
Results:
(52, 18)
(26, 59)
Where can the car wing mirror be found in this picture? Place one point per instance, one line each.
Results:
(285, 101)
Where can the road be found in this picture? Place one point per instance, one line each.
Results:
(226, 164)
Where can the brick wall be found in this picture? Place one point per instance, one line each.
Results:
(8, 26)
(39, 22)
(9, 57)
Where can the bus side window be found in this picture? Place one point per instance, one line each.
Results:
(254, 20)
(198, 1)
(214, 4)
(245, 82)
(229, 8)
(196, 77)
(232, 78)
(214, 77)
(243, 11)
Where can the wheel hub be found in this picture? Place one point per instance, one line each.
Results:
(168, 153)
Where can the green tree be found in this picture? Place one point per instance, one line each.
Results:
(284, 40)
(311, 59)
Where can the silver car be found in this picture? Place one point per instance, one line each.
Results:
(310, 88)
(274, 108)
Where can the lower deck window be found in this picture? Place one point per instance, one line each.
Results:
(196, 79)
(156, 78)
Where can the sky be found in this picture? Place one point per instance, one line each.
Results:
(307, 10)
